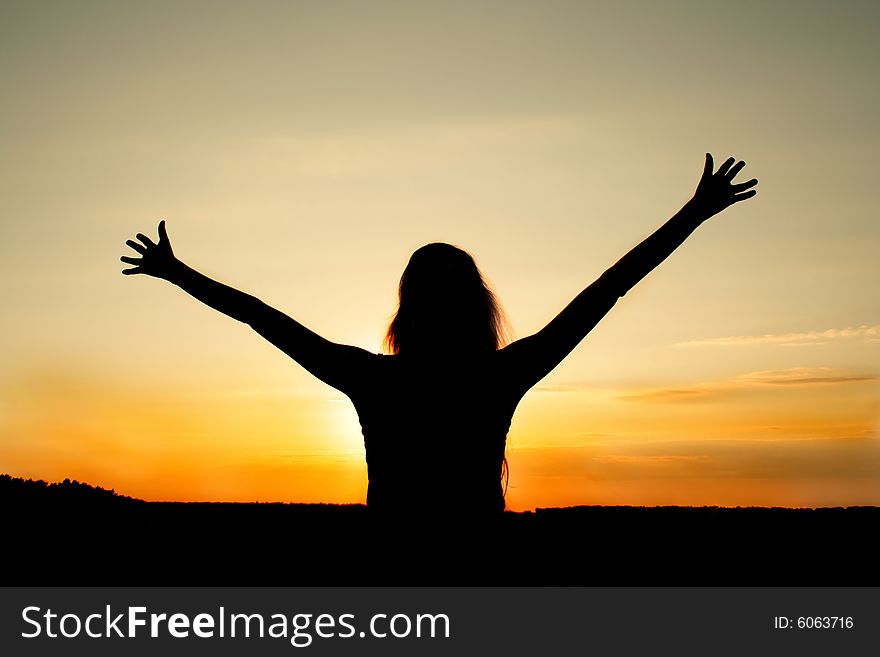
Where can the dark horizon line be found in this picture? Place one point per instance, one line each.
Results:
(101, 491)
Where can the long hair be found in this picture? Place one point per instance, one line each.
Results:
(445, 304)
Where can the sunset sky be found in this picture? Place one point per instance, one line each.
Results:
(301, 151)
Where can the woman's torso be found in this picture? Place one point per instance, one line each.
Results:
(435, 431)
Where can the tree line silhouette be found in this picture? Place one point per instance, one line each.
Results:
(71, 533)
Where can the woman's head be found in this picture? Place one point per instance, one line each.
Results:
(445, 305)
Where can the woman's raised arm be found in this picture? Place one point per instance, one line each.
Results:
(530, 359)
(340, 366)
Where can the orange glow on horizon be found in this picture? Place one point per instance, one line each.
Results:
(566, 447)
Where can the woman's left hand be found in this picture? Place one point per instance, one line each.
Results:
(717, 191)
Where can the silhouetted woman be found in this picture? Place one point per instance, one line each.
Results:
(435, 412)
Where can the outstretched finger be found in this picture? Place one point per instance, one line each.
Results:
(133, 270)
(741, 186)
(163, 234)
(735, 169)
(146, 240)
(722, 170)
(707, 168)
(131, 261)
(742, 197)
(137, 247)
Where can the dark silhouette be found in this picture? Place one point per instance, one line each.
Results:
(73, 534)
(436, 411)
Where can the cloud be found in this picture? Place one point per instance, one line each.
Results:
(800, 376)
(670, 394)
(794, 376)
(652, 459)
(805, 338)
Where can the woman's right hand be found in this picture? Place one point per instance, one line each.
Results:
(156, 259)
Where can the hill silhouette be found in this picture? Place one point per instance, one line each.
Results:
(71, 533)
